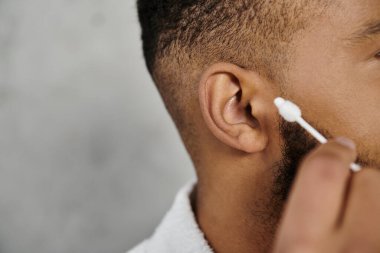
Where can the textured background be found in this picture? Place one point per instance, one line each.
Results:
(89, 159)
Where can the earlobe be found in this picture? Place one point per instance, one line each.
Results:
(226, 99)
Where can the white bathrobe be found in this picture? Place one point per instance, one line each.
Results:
(178, 232)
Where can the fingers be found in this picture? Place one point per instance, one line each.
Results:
(362, 220)
(318, 193)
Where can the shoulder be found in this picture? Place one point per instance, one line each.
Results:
(178, 231)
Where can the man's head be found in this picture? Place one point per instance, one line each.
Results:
(219, 64)
(181, 39)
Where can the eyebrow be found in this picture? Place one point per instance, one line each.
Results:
(367, 31)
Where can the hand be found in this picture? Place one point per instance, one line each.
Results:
(331, 210)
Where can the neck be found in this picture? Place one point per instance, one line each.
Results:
(236, 209)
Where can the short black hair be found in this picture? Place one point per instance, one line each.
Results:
(164, 22)
(156, 18)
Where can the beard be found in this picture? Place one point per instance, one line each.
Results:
(297, 143)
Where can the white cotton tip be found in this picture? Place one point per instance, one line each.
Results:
(287, 109)
(278, 101)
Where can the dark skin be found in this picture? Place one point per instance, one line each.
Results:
(334, 77)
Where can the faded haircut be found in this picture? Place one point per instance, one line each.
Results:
(181, 38)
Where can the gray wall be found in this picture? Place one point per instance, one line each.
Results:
(89, 158)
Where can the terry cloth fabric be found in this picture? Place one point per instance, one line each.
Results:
(178, 232)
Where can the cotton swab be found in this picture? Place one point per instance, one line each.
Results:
(292, 113)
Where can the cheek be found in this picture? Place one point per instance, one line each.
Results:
(342, 104)
(360, 117)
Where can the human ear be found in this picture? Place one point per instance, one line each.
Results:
(232, 104)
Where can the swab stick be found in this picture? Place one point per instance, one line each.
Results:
(292, 113)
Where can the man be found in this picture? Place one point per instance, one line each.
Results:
(218, 65)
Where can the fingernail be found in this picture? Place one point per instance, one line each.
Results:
(346, 142)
